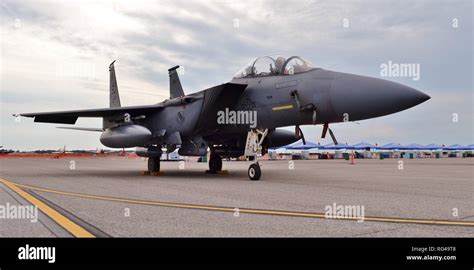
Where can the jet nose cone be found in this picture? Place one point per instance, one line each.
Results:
(365, 97)
(419, 96)
(405, 96)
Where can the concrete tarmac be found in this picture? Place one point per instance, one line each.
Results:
(110, 196)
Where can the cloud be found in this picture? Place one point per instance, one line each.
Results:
(54, 55)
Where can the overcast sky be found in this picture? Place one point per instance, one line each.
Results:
(55, 56)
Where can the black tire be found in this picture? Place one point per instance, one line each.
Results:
(215, 163)
(153, 164)
(254, 172)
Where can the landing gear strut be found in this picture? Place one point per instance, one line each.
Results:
(215, 163)
(253, 147)
(153, 165)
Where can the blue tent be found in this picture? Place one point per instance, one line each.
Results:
(393, 146)
(301, 146)
(414, 146)
(363, 145)
(433, 146)
(470, 147)
(337, 146)
(455, 147)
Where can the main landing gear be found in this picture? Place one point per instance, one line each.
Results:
(154, 165)
(215, 163)
(253, 147)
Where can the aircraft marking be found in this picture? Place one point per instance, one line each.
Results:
(286, 107)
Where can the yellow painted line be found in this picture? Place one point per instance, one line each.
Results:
(66, 223)
(248, 210)
(286, 107)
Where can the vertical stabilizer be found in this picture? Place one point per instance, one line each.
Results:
(114, 98)
(114, 95)
(176, 90)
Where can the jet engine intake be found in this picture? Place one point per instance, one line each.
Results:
(193, 147)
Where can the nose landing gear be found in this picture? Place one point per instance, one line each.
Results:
(253, 147)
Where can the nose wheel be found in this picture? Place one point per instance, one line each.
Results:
(254, 172)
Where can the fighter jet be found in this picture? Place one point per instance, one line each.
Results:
(243, 117)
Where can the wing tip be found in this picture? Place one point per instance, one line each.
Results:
(23, 114)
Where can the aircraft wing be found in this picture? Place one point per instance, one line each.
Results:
(70, 117)
(83, 128)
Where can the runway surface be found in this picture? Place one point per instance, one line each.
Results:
(108, 197)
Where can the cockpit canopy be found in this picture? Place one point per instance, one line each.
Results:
(274, 66)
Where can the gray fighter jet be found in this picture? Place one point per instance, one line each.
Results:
(242, 117)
